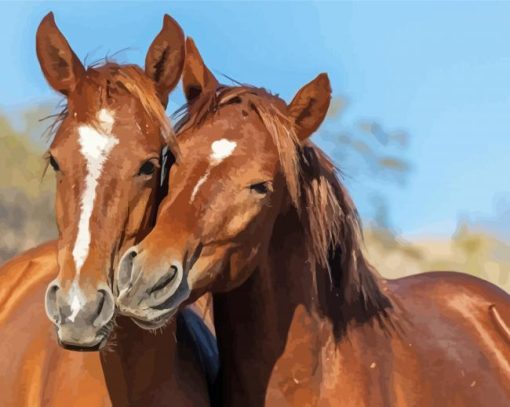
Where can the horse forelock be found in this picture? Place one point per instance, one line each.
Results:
(110, 79)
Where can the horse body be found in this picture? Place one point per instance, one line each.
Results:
(439, 344)
(137, 368)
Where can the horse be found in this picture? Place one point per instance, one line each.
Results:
(257, 214)
(109, 154)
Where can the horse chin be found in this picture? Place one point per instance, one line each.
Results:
(85, 348)
(156, 323)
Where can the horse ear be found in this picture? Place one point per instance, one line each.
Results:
(196, 78)
(60, 65)
(310, 105)
(165, 58)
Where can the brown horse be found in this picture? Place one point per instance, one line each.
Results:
(257, 215)
(107, 155)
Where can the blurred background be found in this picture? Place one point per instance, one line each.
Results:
(418, 125)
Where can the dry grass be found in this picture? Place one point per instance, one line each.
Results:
(472, 252)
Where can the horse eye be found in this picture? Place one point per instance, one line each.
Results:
(147, 168)
(54, 164)
(259, 188)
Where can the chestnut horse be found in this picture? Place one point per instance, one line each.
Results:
(108, 156)
(257, 215)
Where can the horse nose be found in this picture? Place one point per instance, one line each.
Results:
(125, 269)
(64, 308)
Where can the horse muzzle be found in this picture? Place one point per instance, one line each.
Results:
(83, 321)
(149, 296)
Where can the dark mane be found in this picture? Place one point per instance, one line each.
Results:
(352, 290)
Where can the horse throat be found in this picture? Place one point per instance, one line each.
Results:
(135, 356)
(271, 330)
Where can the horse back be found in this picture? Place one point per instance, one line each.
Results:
(454, 336)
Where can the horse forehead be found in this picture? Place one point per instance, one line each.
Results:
(96, 141)
(134, 135)
(220, 153)
(221, 149)
(232, 140)
(94, 137)
(217, 144)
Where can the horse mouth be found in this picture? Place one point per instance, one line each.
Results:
(155, 323)
(102, 339)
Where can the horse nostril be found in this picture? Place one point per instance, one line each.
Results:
(105, 308)
(165, 280)
(126, 269)
(102, 295)
(52, 309)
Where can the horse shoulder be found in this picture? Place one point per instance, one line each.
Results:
(33, 368)
(24, 273)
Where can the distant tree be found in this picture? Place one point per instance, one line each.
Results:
(26, 197)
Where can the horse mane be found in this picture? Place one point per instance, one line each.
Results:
(354, 291)
(111, 78)
(330, 221)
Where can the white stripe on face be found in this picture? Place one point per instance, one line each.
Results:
(220, 149)
(77, 300)
(199, 184)
(96, 143)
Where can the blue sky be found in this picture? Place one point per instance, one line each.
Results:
(438, 70)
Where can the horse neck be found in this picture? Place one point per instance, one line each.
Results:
(139, 364)
(274, 314)
(287, 329)
(143, 365)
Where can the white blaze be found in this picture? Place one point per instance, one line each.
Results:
(199, 184)
(96, 143)
(77, 300)
(106, 121)
(220, 149)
